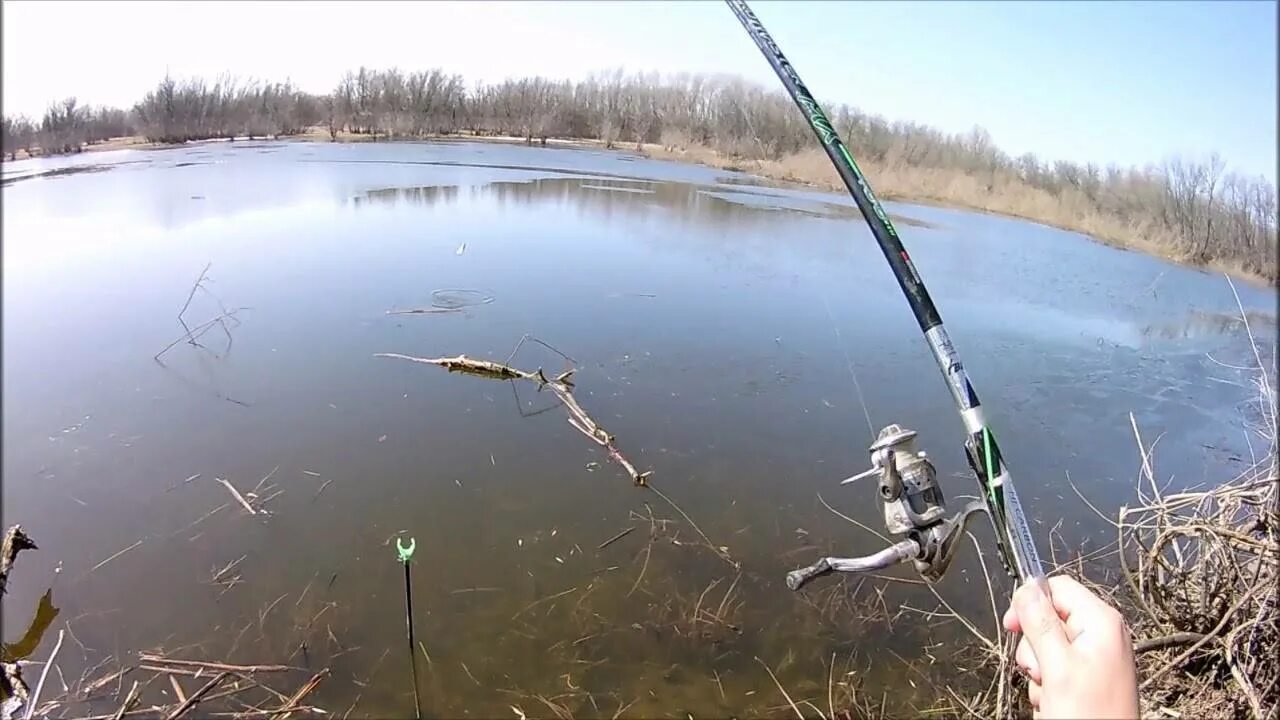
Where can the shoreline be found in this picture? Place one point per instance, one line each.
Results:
(808, 169)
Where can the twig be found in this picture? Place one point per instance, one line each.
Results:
(1165, 641)
(227, 568)
(177, 689)
(113, 557)
(323, 485)
(195, 697)
(536, 603)
(129, 701)
(1199, 643)
(290, 706)
(236, 494)
(35, 696)
(648, 550)
(265, 479)
(781, 689)
(194, 333)
(615, 538)
(204, 517)
(194, 286)
(423, 311)
(721, 552)
(153, 658)
(262, 616)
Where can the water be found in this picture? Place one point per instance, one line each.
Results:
(696, 304)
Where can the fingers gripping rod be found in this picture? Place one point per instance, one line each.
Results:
(913, 507)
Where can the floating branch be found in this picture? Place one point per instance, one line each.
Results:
(561, 385)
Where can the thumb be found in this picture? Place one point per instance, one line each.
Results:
(1041, 626)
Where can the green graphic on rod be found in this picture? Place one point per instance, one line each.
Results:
(991, 471)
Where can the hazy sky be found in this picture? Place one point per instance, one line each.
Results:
(1088, 81)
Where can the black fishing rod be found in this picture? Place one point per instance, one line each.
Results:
(1013, 537)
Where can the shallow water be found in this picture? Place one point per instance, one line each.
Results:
(719, 327)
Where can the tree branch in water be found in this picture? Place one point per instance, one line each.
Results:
(561, 385)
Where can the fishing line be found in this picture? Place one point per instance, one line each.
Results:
(871, 428)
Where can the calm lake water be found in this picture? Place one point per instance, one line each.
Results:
(715, 323)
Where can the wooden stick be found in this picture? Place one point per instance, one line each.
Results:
(113, 557)
(615, 538)
(464, 364)
(195, 698)
(323, 485)
(172, 671)
(177, 689)
(194, 286)
(262, 617)
(535, 603)
(783, 690)
(290, 706)
(153, 658)
(129, 701)
(227, 568)
(35, 697)
(198, 330)
(236, 494)
(265, 478)
(423, 311)
(204, 517)
(102, 682)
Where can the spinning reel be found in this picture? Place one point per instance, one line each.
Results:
(913, 508)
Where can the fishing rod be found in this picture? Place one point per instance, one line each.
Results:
(913, 502)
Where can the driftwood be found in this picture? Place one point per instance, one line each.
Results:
(561, 385)
(12, 687)
(15, 541)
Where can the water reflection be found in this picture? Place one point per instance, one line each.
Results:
(25, 646)
(1203, 324)
(706, 206)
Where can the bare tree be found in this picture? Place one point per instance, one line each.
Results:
(1193, 207)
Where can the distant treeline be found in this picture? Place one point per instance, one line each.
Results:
(1192, 210)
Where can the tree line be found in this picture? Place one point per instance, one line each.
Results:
(1194, 207)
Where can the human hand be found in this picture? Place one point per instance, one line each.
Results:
(1075, 650)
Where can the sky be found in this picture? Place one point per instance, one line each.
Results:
(1106, 82)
